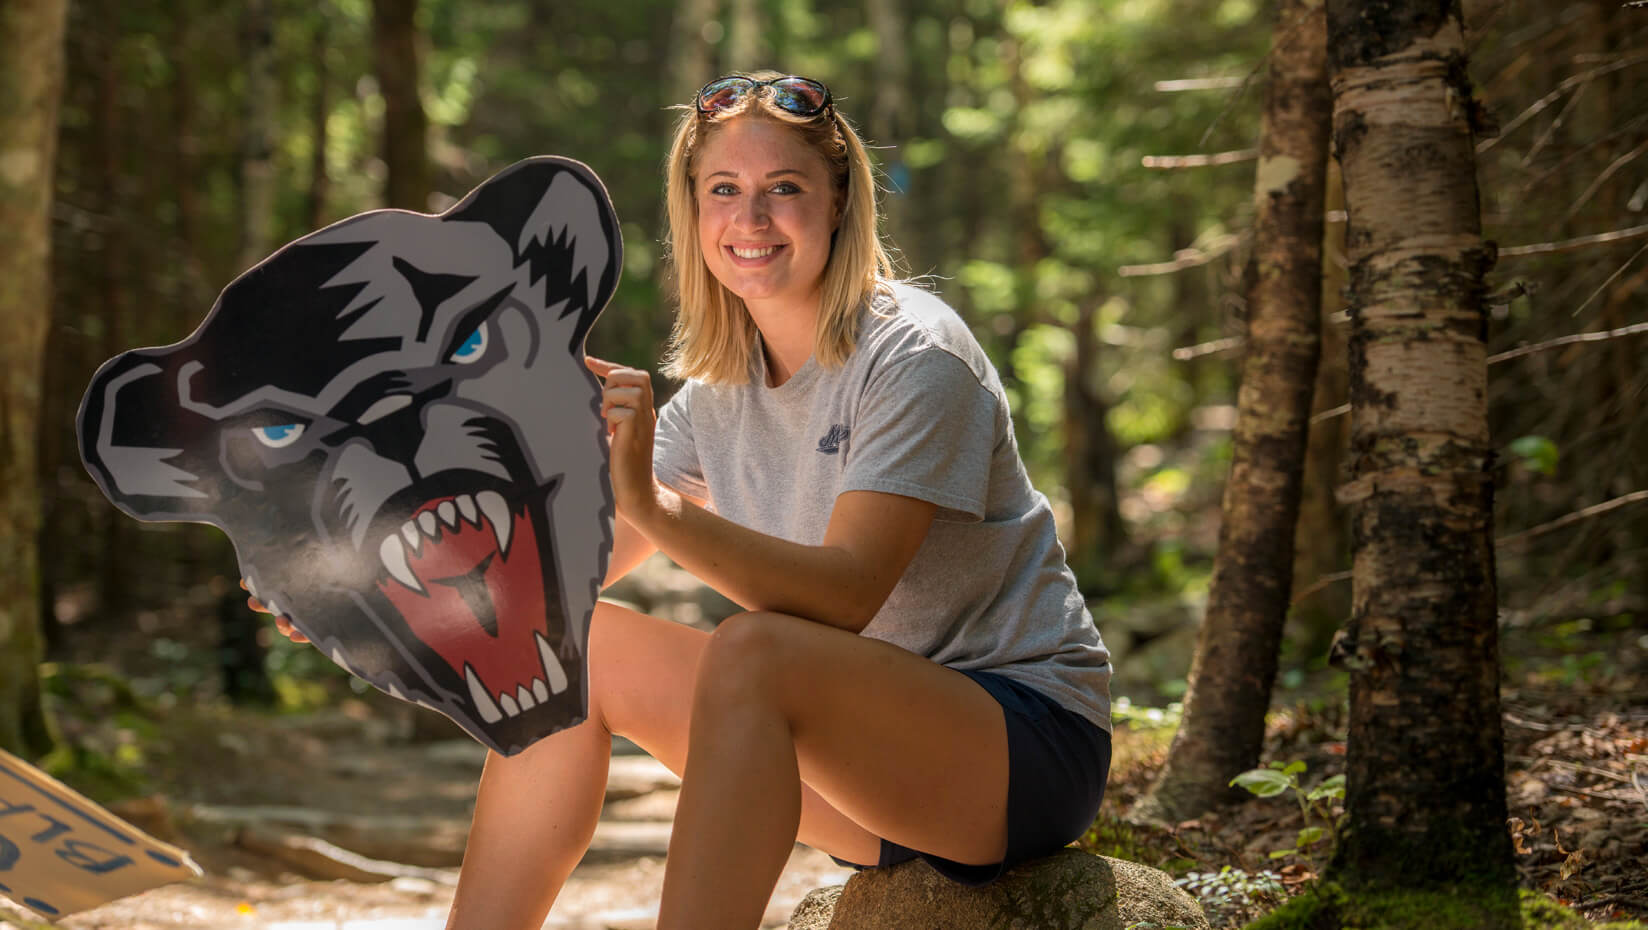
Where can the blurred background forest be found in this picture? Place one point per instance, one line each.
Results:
(1075, 176)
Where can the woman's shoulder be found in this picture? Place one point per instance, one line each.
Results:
(907, 321)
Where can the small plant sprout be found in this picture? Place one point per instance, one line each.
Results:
(1316, 804)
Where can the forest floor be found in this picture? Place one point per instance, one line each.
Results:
(1576, 744)
(249, 793)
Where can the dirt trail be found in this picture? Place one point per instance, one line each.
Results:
(337, 780)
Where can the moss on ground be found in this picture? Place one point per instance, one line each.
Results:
(1328, 906)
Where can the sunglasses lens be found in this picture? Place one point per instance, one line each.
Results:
(718, 95)
(800, 96)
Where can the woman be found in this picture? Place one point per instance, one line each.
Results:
(916, 673)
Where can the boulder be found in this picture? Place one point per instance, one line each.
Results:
(1069, 890)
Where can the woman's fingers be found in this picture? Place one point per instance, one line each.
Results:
(615, 397)
(289, 631)
(282, 623)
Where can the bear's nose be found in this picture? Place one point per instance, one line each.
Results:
(383, 408)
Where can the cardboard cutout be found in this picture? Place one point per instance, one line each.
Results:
(60, 853)
(392, 421)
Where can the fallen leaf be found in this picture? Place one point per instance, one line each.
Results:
(1572, 864)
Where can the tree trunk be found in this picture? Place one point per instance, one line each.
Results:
(1425, 766)
(31, 81)
(320, 110)
(1323, 549)
(692, 56)
(746, 48)
(1235, 665)
(1097, 533)
(257, 155)
(116, 556)
(405, 127)
(888, 123)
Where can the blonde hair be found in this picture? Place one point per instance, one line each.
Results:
(714, 337)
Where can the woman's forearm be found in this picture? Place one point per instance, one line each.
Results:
(830, 583)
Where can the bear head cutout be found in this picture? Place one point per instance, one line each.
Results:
(392, 421)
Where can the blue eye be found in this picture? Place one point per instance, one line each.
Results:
(278, 437)
(472, 348)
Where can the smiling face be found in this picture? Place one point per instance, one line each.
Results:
(766, 211)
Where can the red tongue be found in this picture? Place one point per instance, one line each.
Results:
(445, 622)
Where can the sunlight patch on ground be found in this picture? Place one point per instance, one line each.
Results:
(386, 923)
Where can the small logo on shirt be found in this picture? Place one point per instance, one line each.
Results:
(831, 442)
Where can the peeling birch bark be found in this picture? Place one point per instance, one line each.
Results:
(1426, 792)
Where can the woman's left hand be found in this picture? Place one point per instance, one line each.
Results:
(626, 402)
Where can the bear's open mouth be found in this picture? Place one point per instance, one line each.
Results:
(469, 577)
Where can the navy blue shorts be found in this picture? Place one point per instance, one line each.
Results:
(1057, 765)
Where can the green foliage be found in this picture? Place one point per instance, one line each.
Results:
(1316, 804)
(1145, 718)
(1537, 453)
(109, 729)
(1231, 890)
(1330, 906)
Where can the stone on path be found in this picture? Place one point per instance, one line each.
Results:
(1069, 890)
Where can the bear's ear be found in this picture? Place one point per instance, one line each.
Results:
(556, 215)
(140, 446)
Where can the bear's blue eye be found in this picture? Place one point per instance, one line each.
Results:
(278, 437)
(472, 348)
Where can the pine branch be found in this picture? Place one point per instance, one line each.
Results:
(1635, 497)
(1213, 83)
(1182, 259)
(1199, 161)
(1550, 98)
(1566, 245)
(1601, 336)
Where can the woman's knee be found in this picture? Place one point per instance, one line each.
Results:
(631, 655)
(748, 656)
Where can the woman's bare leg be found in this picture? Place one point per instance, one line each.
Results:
(536, 812)
(907, 748)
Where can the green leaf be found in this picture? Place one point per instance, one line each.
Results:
(1279, 853)
(1294, 767)
(1264, 783)
(1310, 835)
(1329, 788)
(1537, 453)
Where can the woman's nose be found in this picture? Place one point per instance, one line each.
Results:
(753, 213)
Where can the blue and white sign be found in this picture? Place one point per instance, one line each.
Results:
(61, 854)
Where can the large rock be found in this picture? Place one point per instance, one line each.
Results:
(1070, 890)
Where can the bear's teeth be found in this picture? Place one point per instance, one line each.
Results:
(449, 514)
(426, 522)
(497, 513)
(509, 705)
(409, 531)
(393, 555)
(483, 702)
(524, 698)
(540, 690)
(466, 506)
(552, 665)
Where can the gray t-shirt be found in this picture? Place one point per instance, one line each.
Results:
(917, 410)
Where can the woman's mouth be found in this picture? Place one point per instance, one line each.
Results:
(753, 255)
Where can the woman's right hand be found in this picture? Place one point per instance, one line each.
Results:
(283, 623)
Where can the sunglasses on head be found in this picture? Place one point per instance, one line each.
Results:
(798, 95)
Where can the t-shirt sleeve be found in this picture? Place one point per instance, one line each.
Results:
(674, 453)
(925, 428)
